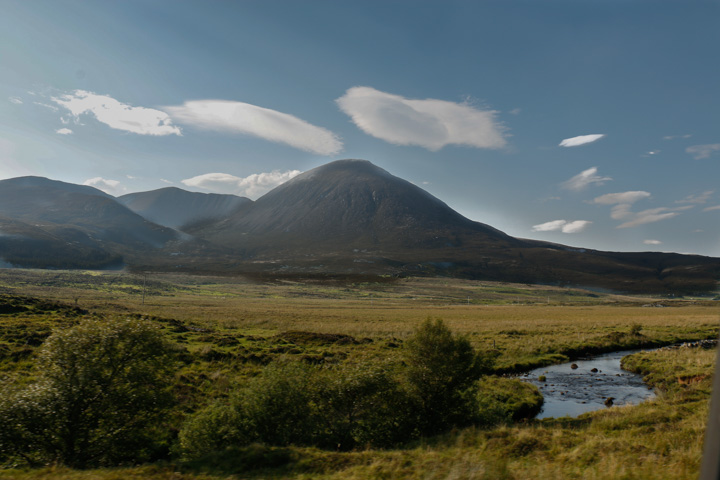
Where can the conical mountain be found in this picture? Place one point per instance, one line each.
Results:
(345, 206)
(175, 208)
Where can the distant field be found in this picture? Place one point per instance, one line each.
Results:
(232, 326)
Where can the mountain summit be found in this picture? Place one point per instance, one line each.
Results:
(344, 206)
(348, 217)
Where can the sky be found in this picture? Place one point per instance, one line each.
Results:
(590, 123)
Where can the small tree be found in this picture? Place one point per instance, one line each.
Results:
(441, 371)
(103, 387)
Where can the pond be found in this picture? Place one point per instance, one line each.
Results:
(572, 391)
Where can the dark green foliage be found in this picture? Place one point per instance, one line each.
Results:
(298, 404)
(102, 390)
(277, 407)
(364, 406)
(441, 371)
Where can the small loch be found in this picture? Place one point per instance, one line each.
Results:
(572, 391)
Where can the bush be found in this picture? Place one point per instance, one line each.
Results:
(297, 404)
(441, 371)
(102, 391)
(361, 406)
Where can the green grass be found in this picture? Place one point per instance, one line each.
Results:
(226, 329)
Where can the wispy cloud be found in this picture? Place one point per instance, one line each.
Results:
(64, 131)
(652, 242)
(239, 117)
(622, 209)
(45, 105)
(703, 151)
(564, 226)
(710, 209)
(117, 115)
(673, 137)
(698, 199)
(251, 186)
(585, 178)
(648, 216)
(621, 197)
(581, 140)
(15, 100)
(112, 187)
(428, 123)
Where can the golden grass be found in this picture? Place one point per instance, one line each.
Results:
(659, 439)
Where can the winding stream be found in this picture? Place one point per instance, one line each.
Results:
(572, 391)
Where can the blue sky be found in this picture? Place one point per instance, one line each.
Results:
(589, 123)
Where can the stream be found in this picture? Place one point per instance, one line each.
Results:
(572, 391)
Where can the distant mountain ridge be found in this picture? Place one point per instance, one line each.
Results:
(48, 223)
(175, 208)
(348, 218)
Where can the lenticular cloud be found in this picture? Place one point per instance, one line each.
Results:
(581, 140)
(239, 117)
(430, 123)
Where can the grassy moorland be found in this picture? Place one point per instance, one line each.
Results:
(228, 329)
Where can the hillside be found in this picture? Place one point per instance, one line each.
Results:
(346, 218)
(47, 223)
(173, 207)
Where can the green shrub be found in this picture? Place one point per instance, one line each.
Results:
(211, 430)
(361, 406)
(442, 369)
(102, 391)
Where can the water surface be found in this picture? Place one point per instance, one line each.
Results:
(571, 392)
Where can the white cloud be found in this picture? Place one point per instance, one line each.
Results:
(699, 199)
(251, 186)
(649, 216)
(652, 242)
(564, 226)
(575, 226)
(64, 131)
(429, 123)
(229, 116)
(112, 187)
(581, 140)
(622, 205)
(166, 181)
(585, 178)
(703, 151)
(15, 100)
(515, 111)
(710, 209)
(117, 115)
(673, 137)
(621, 197)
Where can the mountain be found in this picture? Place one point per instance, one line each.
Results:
(173, 207)
(352, 217)
(61, 225)
(348, 205)
(348, 218)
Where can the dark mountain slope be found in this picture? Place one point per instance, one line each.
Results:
(84, 218)
(344, 206)
(351, 217)
(174, 207)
